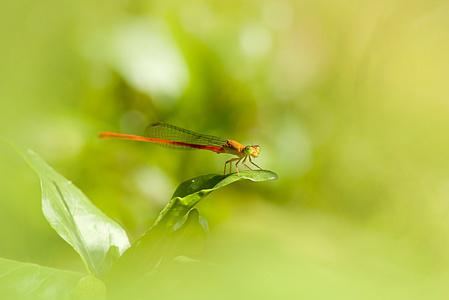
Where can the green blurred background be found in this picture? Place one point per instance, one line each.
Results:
(349, 101)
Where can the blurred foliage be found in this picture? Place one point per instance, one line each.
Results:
(348, 100)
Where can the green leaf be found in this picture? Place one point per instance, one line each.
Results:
(148, 251)
(192, 191)
(98, 239)
(25, 281)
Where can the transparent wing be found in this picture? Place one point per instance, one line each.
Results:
(173, 133)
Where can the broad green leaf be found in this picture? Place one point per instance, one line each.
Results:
(25, 281)
(148, 251)
(192, 191)
(98, 239)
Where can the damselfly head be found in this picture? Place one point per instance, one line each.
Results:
(253, 150)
